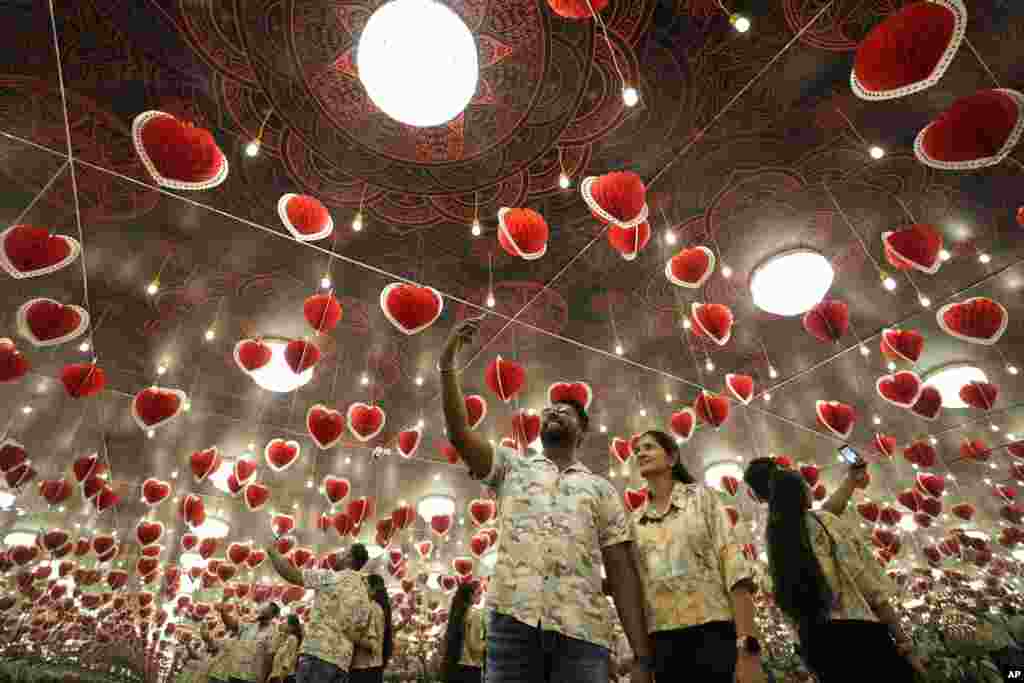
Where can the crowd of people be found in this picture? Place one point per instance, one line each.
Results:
(675, 571)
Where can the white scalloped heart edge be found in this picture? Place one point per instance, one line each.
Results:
(1011, 141)
(356, 434)
(892, 377)
(940, 319)
(502, 212)
(401, 328)
(614, 449)
(5, 263)
(824, 422)
(592, 204)
(332, 413)
(290, 443)
(21, 322)
(137, 125)
(696, 306)
(282, 212)
(712, 261)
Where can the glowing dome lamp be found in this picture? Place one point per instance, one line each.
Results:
(792, 282)
(433, 505)
(950, 378)
(277, 375)
(714, 472)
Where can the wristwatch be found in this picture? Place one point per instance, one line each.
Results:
(748, 644)
(646, 663)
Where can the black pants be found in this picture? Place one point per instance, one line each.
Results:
(372, 675)
(705, 653)
(466, 674)
(847, 650)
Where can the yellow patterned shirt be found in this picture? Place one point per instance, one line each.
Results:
(339, 615)
(250, 650)
(554, 526)
(284, 658)
(474, 640)
(369, 651)
(221, 663)
(690, 559)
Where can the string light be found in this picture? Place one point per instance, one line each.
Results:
(984, 257)
(476, 229)
(490, 300)
(668, 398)
(876, 152)
(877, 420)
(210, 334)
(670, 237)
(630, 96)
(563, 181)
(619, 350)
(726, 272)
(357, 222)
(686, 323)
(889, 283)
(153, 287)
(772, 372)
(325, 282)
(925, 301)
(188, 405)
(252, 446)
(27, 410)
(709, 366)
(420, 424)
(945, 255)
(604, 429)
(1012, 369)
(419, 381)
(348, 461)
(767, 397)
(84, 347)
(365, 380)
(739, 22)
(150, 434)
(253, 148)
(864, 351)
(891, 366)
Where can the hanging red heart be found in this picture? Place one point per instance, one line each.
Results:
(964, 511)
(729, 484)
(82, 380)
(635, 498)
(691, 267)
(92, 486)
(20, 475)
(301, 355)
(325, 425)
(711, 409)
(1016, 449)
(55, 491)
(900, 344)
(977, 131)
(1013, 513)
(463, 566)
(910, 499)
(31, 251)
(441, 524)
(322, 311)
(12, 454)
(305, 217)
(365, 422)
(207, 547)
(324, 521)
(402, 517)
(901, 389)
(252, 354)
(155, 407)
(204, 463)
(245, 469)
(448, 451)
(155, 491)
(810, 474)
(54, 539)
(226, 572)
(117, 579)
(827, 321)
(932, 554)
(978, 320)
(976, 450)
(256, 496)
(335, 489)
(189, 541)
(930, 484)
(619, 197)
(153, 550)
(342, 524)
(819, 492)
(713, 321)
(411, 308)
(45, 322)
(929, 403)
(106, 499)
(479, 544)
(359, 509)
(621, 449)
(916, 247)
(869, 511)
(101, 545)
(526, 427)
(920, 453)
(740, 386)
(280, 454)
(885, 445)
(476, 410)
(423, 548)
(629, 242)
(193, 510)
(13, 364)
(522, 233)
(482, 511)
(732, 514)
(148, 532)
(87, 466)
(385, 532)
(837, 417)
(682, 423)
(505, 378)
(980, 395)
(177, 154)
(1005, 492)
(409, 442)
(576, 391)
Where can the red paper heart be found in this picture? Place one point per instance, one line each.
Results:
(732, 514)
(890, 516)
(440, 524)
(740, 386)
(244, 468)
(359, 509)
(976, 450)
(711, 409)
(713, 321)
(155, 491)
(204, 463)
(189, 541)
(226, 572)
(683, 422)
(618, 197)
(409, 442)
(342, 524)
(12, 454)
(978, 320)
(980, 395)
(20, 475)
(964, 511)
(576, 391)
(929, 403)
(978, 130)
(323, 312)
(930, 484)
(869, 511)
(103, 544)
(691, 267)
(635, 498)
(13, 364)
(31, 251)
(463, 566)
(920, 453)
(479, 544)
(902, 389)
(827, 321)
(281, 454)
(148, 532)
(336, 489)
(810, 474)
(252, 354)
(819, 492)
(902, 344)
(916, 247)
(256, 496)
(476, 410)
(402, 517)
(365, 422)
(621, 449)
(837, 417)
(46, 322)
(411, 308)
(155, 407)
(207, 547)
(83, 379)
(505, 378)
(525, 428)
(55, 491)
(305, 217)
(106, 499)
(193, 510)
(910, 499)
(301, 355)
(629, 241)
(117, 579)
(177, 154)
(54, 539)
(885, 445)
(522, 233)
(87, 466)
(482, 511)
(256, 558)
(729, 484)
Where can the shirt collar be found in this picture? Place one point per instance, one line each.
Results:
(577, 466)
(680, 492)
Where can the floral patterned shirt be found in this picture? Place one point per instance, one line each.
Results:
(553, 527)
(339, 615)
(284, 659)
(474, 642)
(369, 650)
(856, 578)
(248, 658)
(220, 663)
(690, 559)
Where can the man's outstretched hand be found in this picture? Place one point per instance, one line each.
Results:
(462, 333)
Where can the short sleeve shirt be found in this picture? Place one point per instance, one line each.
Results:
(474, 640)
(338, 617)
(554, 525)
(284, 659)
(249, 650)
(369, 651)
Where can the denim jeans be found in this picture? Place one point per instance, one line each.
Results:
(706, 653)
(519, 653)
(314, 670)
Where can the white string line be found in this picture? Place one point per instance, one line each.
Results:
(35, 145)
(39, 195)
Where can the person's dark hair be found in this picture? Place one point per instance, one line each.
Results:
(759, 477)
(801, 591)
(581, 412)
(359, 556)
(456, 634)
(277, 609)
(379, 594)
(679, 471)
(295, 625)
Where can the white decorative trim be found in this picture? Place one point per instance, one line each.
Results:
(282, 213)
(694, 307)
(940, 315)
(712, 261)
(570, 385)
(892, 377)
(728, 383)
(290, 443)
(956, 7)
(596, 208)
(483, 412)
(357, 435)
(502, 212)
(21, 322)
(386, 292)
(938, 407)
(182, 397)
(842, 435)
(412, 452)
(331, 412)
(248, 503)
(5, 262)
(1011, 141)
(693, 423)
(138, 124)
(892, 349)
(497, 379)
(913, 264)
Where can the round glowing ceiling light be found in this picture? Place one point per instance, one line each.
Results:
(19, 537)
(219, 479)
(435, 504)
(6, 500)
(277, 375)
(213, 527)
(417, 61)
(792, 282)
(189, 560)
(373, 550)
(950, 378)
(714, 472)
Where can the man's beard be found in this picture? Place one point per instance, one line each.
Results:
(556, 438)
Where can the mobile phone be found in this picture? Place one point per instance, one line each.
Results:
(848, 455)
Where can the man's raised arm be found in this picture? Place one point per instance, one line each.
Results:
(288, 571)
(473, 448)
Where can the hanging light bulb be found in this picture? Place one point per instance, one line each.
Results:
(670, 237)
(891, 366)
(563, 181)
(153, 287)
(364, 380)
(993, 427)
(865, 351)
(933, 441)
(253, 148)
(476, 229)
(150, 434)
(604, 429)
(889, 283)
(1012, 369)
(210, 334)
(767, 396)
(618, 350)
(726, 271)
(188, 405)
(877, 420)
(876, 152)
(709, 366)
(925, 301)
(668, 398)
(490, 300)
(161, 369)
(630, 96)
(325, 282)
(357, 222)
(739, 22)
(984, 257)
(945, 255)
(643, 412)
(419, 381)
(84, 347)
(686, 323)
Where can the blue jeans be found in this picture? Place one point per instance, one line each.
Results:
(518, 653)
(315, 670)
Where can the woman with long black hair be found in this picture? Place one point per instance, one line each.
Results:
(698, 585)
(462, 651)
(372, 654)
(832, 589)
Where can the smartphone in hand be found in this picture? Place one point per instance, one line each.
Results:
(850, 457)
